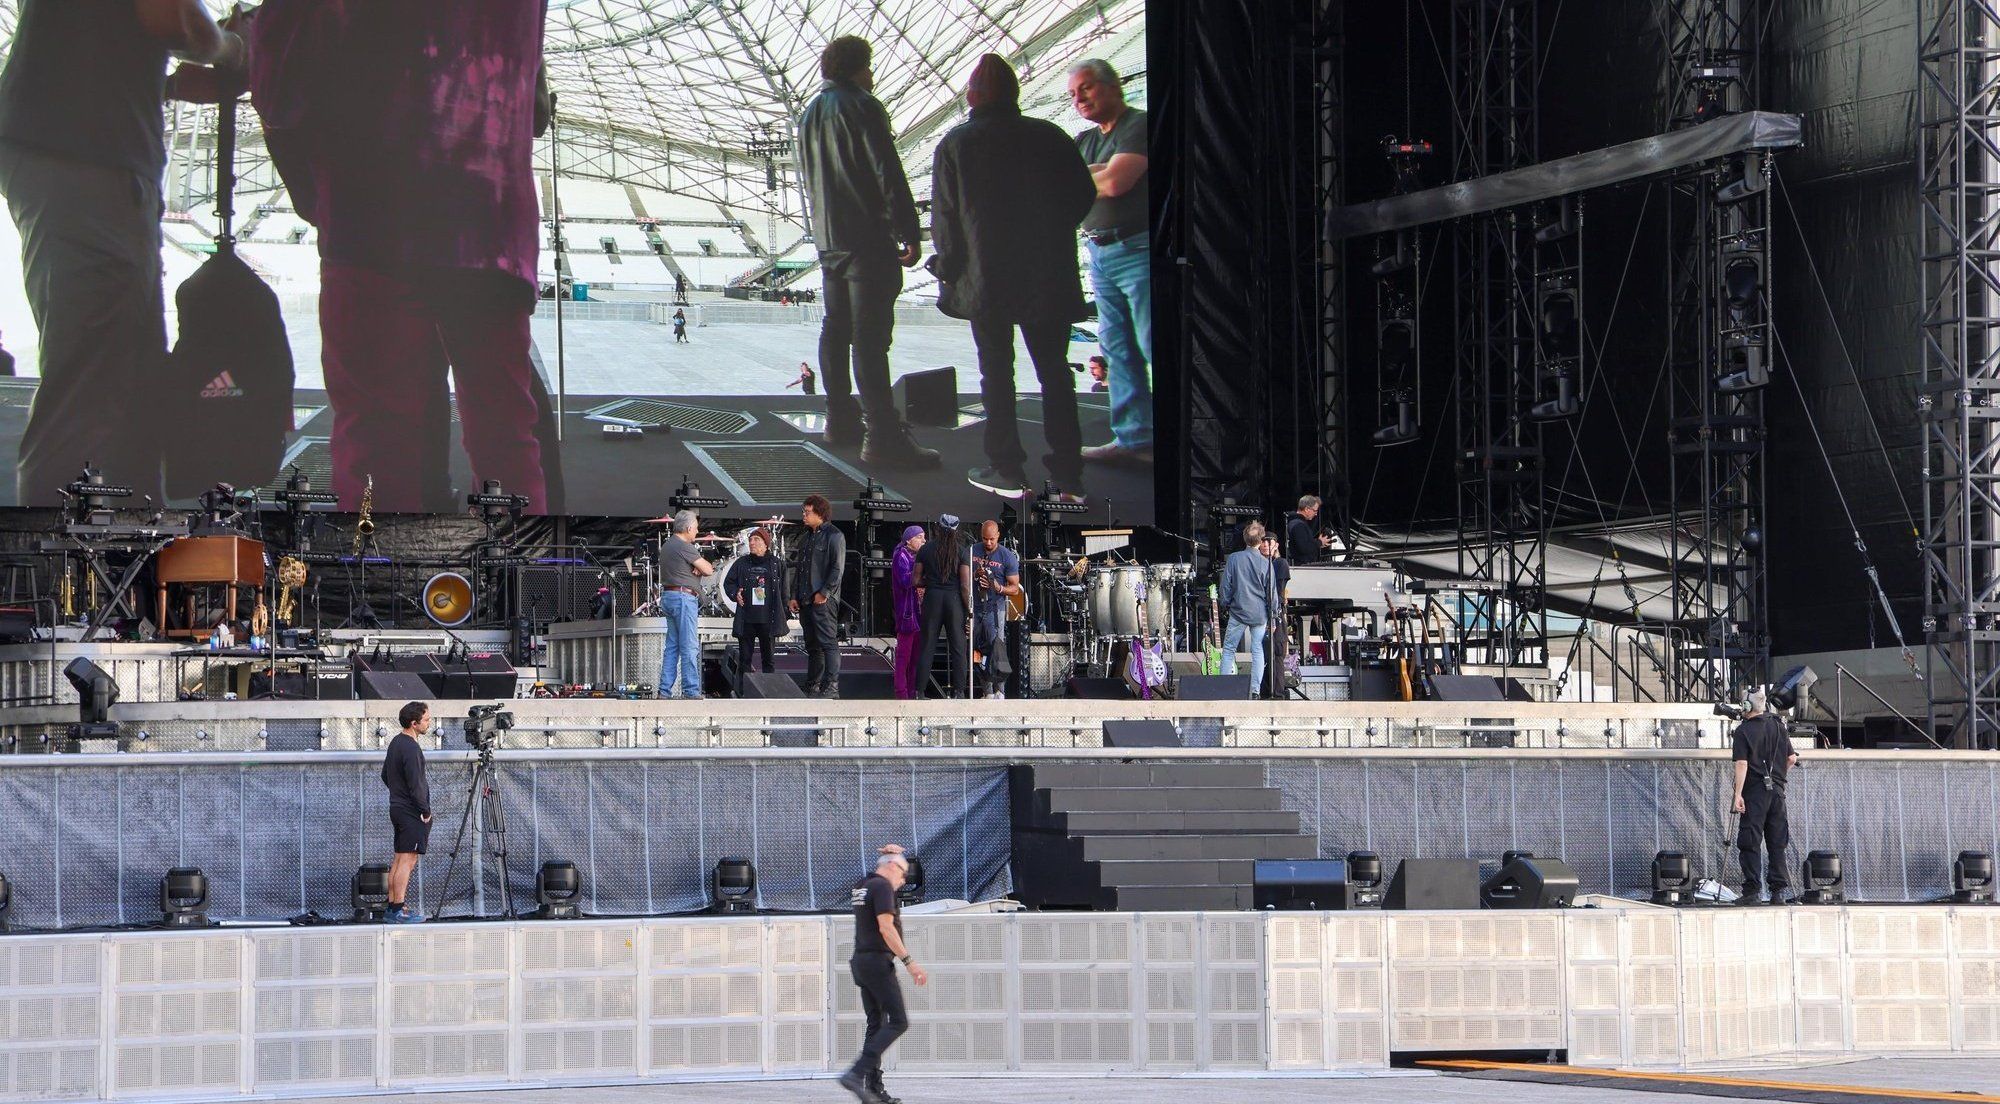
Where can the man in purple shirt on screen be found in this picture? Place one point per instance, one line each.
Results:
(405, 133)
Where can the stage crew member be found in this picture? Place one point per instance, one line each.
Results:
(909, 612)
(1249, 595)
(756, 583)
(1007, 194)
(864, 224)
(405, 132)
(944, 584)
(1121, 256)
(817, 598)
(996, 572)
(409, 807)
(878, 946)
(1763, 757)
(681, 570)
(82, 148)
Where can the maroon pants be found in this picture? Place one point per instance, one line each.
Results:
(394, 348)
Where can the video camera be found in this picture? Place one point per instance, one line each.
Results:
(485, 723)
(1788, 694)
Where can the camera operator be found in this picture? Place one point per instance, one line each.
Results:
(409, 807)
(1762, 751)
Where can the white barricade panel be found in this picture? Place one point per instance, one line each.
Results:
(450, 1004)
(1819, 951)
(177, 1015)
(707, 1010)
(1899, 960)
(50, 995)
(315, 1018)
(1596, 1000)
(579, 1001)
(1652, 997)
(1475, 981)
(1976, 944)
(1296, 982)
(1232, 968)
(1079, 1001)
(795, 966)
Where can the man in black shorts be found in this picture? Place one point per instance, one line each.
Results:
(409, 807)
(878, 946)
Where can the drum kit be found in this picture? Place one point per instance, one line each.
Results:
(722, 551)
(1101, 603)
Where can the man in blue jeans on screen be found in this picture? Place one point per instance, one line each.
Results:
(681, 572)
(1121, 275)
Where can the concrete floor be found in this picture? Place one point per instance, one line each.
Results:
(1928, 1075)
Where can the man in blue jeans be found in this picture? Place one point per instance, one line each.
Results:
(1121, 274)
(681, 572)
(1249, 598)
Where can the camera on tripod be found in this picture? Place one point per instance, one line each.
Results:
(485, 723)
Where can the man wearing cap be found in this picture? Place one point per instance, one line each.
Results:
(908, 602)
(1763, 757)
(878, 946)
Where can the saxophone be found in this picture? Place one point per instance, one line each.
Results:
(364, 528)
(291, 577)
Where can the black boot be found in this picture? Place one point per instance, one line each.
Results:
(891, 446)
(856, 1082)
(880, 1090)
(843, 422)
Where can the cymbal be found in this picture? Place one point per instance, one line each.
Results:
(714, 539)
(667, 520)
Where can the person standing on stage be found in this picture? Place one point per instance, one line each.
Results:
(817, 598)
(864, 224)
(82, 149)
(944, 585)
(1278, 643)
(996, 573)
(1007, 194)
(756, 583)
(1762, 756)
(681, 570)
(909, 613)
(807, 382)
(1121, 259)
(878, 946)
(680, 326)
(1304, 543)
(405, 133)
(409, 807)
(1249, 595)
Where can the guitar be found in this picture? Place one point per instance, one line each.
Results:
(1401, 650)
(1211, 645)
(1145, 664)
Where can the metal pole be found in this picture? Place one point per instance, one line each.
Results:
(562, 255)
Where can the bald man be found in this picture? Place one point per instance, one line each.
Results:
(996, 577)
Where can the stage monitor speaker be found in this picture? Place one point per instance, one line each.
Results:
(392, 686)
(1312, 884)
(1213, 688)
(325, 683)
(1374, 684)
(929, 397)
(424, 665)
(1466, 688)
(1106, 689)
(478, 676)
(1150, 733)
(1434, 884)
(1530, 882)
(757, 684)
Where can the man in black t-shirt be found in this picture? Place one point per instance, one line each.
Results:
(878, 946)
(1762, 751)
(409, 807)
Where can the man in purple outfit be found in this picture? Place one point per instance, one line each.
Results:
(405, 133)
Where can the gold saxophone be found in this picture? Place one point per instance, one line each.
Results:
(291, 577)
(365, 526)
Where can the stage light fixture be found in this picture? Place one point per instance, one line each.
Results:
(1364, 868)
(1744, 353)
(184, 898)
(368, 891)
(1820, 875)
(1973, 879)
(1557, 221)
(1793, 690)
(732, 885)
(1564, 405)
(911, 892)
(1673, 878)
(689, 497)
(1745, 184)
(96, 690)
(558, 887)
(1399, 257)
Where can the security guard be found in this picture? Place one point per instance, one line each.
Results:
(878, 946)
(1763, 756)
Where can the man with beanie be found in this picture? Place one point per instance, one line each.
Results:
(1763, 758)
(864, 224)
(1007, 195)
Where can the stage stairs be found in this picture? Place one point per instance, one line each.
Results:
(1131, 836)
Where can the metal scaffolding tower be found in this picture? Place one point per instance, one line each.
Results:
(1959, 401)
(1323, 397)
(1719, 349)
(1502, 519)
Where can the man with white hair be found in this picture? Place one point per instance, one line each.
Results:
(878, 946)
(1763, 757)
(681, 571)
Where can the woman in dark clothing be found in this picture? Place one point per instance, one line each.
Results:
(756, 582)
(944, 582)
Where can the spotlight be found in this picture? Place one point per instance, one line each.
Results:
(96, 693)
(1403, 428)
(1564, 405)
(369, 892)
(732, 886)
(1402, 253)
(689, 497)
(1745, 352)
(911, 892)
(1673, 878)
(1557, 222)
(1794, 689)
(1973, 881)
(1364, 868)
(1750, 182)
(1742, 284)
(1820, 874)
(557, 888)
(184, 898)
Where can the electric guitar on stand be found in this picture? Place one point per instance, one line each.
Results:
(1211, 645)
(1146, 663)
(1399, 646)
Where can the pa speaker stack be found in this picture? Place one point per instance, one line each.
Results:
(1526, 882)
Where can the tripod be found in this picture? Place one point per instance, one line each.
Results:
(483, 795)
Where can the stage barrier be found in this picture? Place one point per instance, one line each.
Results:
(324, 1011)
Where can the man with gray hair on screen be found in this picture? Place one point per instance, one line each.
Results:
(681, 572)
(878, 946)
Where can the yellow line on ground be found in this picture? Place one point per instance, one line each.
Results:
(1703, 1079)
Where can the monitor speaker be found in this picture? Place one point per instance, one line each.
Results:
(478, 676)
(391, 686)
(1312, 884)
(1527, 881)
(1467, 688)
(929, 397)
(1434, 884)
(1086, 686)
(1150, 733)
(777, 684)
(1213, 688)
